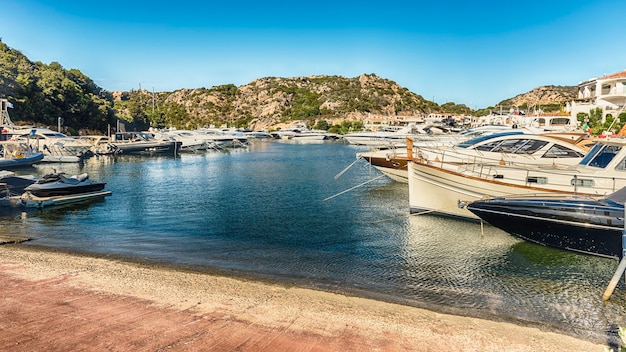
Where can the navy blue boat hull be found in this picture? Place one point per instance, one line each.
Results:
(581, 225)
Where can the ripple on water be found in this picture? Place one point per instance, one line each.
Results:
(262, 212)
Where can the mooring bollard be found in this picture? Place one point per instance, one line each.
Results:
(620, 268)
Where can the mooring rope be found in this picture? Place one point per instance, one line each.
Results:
(412, 214)
(355, 187)
(348, 167)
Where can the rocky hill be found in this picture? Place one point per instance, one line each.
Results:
(548, 98)
(42, 93)
(272, 101)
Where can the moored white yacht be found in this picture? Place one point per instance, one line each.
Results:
(386, 137)
(218, 138)
(258, 135)
(142, 143)
(438, 187)
(483, 144)
(190, 140)
(300, 132)
(100, 145)
(516, 146)
(56, 146)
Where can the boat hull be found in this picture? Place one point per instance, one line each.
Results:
(581, 226)
(15, 184)
(54, 189)
(31, 201)
(19, 162)
(433, 190)
(393, 167)
(62, 159)
(148, 147)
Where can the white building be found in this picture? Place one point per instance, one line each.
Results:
(607, 93)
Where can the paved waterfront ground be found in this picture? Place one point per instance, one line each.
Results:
(59, 302)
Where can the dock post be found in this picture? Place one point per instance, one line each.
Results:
(620, 268)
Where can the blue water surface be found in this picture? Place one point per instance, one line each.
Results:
(276, 211)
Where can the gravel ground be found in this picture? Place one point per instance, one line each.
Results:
(61, 302)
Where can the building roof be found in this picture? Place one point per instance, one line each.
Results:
(621, 74)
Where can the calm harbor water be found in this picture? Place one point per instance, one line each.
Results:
(261, 212)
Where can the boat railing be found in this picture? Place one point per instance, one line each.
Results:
(574, 180)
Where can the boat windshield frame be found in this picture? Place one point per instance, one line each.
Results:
(473, 141)
(601, 155)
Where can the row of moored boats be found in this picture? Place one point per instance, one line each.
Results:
(554, 186)
(560, 188)
(28, 145)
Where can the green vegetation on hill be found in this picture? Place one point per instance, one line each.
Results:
(42, 93)
(272, 100)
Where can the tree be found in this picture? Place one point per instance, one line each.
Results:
(321, 125)
(42, 93)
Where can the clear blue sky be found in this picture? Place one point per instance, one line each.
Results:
(470, 52)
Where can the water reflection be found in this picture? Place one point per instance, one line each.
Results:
(261, 211)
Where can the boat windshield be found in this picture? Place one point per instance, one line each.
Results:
(514, 146)
(471, 142)
(54, 135)
(600, 155)
(559, 151)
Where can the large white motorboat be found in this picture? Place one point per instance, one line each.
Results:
(56, 146)
(142, 143)
(192, 141)
(516, 146)
(438, 187)
(100, 145)
(218, 138)
(385, 137)
(257, 135)
(485, 145)
(300, 132)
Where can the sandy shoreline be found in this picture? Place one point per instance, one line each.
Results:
(66, 302)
